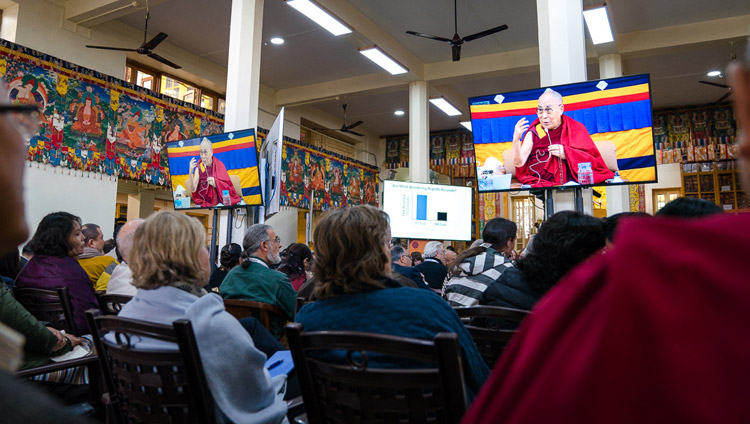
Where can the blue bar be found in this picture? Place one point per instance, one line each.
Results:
(421, 207)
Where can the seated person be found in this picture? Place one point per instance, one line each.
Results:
(478, 267)
(432, 267)
(553, 146)
(352, 260)
(403, 272)
(254, 280)
(689, 207)
(121, 280)
(566, 239)
(170, 266)
(229, 257)
(93, 260)
(56, 243)
(296, 264)
(208, 181)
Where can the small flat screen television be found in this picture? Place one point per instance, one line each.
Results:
(428, 211)
(591, 133)
(215, 171)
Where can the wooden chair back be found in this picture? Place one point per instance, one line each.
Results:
(51, 306)
(152, 385)
(349, 391)
(486, 326)
(248, 308)
(111, 304)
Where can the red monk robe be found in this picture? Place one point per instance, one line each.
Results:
(543, 170)
(654, 331)
(207, 196)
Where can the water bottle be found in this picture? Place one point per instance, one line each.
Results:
(226, 199)
(585, 173)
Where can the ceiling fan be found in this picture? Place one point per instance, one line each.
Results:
(732, 57)
(457, 41)
(147, 47)
(347, 128)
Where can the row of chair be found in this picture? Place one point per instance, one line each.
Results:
(143, 386)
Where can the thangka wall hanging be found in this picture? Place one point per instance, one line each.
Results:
(454, 147)
(95, 122)
(329, 179)
(699, 133)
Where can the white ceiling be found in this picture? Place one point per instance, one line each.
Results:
(311, 55)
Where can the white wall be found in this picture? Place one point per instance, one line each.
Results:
(285, 225)
(88, 195)
(669, 177)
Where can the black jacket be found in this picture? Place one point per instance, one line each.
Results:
(434, 272)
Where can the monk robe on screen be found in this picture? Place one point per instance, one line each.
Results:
(209, 180)
(554, 146)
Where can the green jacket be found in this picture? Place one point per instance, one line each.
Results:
(259, 283)
(40, 342)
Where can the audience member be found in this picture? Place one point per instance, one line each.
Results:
(296, 264)
(654, 331)
(93, 260)
(121, 280)
(353, 292)
(566, 239)
(432, 268)
(254, 280)
(478, 267)
(689, 207)
(229, 257)
(26, 254)
(10, 265)
(56, 242)
(416, 258)
(170, 266)
(612, 222)
(403, 272)
(450, 256)
(103, 281)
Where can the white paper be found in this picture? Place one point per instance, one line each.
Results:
(77, 352)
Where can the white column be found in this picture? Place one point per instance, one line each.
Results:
(562, 60)
(618, 197)
(243, 87)
(419, 133)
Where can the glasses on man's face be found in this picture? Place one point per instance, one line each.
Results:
(277, 240)
(548, 110)
(26, 118)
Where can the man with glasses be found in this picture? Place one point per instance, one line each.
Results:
(403, 271)
(255, 280)
(549, 151)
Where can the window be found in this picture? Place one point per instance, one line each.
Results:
(664, 196)
(171, 86)
(523, 216)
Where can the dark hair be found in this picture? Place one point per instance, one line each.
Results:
(350, 254)
(90, 232)
(52, 234)
(566, 239)
(450, 248)
(10, 264)
(26, 249)
(611, 222)
(293, 264)
(396, 252)
(230, 256)
(416, 256)
(497, 232)
(689, 207)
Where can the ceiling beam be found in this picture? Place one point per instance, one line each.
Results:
(88, 13)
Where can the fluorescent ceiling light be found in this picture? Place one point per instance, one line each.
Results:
(445, 106)
(386, 62)
(466, 124)
(714, 73)
(597, 22)
(320, 16)
(398, 112)
(277, 40)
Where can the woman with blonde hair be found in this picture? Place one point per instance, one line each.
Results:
(170, 265)
(353, 292)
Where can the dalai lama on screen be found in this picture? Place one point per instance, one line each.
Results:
(209, 180)
(554, 146)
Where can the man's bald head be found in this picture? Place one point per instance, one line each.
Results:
(125, 237)
(207, 152)
(550, 109)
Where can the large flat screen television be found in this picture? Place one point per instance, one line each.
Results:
(428, 211)
(584, 134)
(215, 171)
